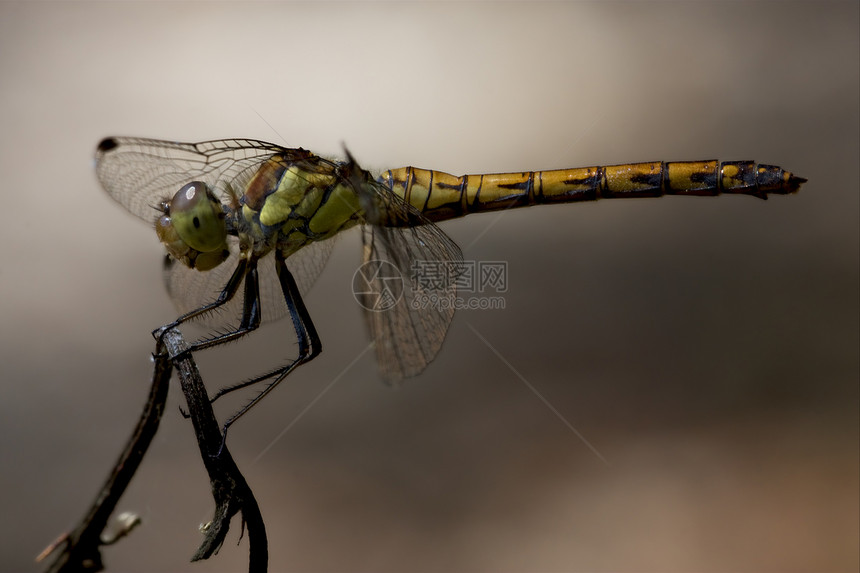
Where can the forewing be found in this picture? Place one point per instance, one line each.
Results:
(408, 334)
(139, 173)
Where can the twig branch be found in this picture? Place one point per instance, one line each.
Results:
(81, 547)
(229, 488)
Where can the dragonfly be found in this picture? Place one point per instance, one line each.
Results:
(243, 213)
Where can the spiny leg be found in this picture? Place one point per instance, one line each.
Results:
(251, 317)
(308, 339)
(302, 324)
(245, 383)
(226, 295)
(251, 314)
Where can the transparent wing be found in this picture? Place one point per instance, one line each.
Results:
(408, 333)
(190, 289)
(139, 172)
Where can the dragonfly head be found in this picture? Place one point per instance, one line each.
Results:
(192, 227)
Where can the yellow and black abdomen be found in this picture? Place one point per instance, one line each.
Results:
(442, 196)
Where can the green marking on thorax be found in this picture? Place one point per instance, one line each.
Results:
(340, 206)
(291, 190)
(299, 199)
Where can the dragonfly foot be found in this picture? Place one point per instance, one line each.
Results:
(158, 333)
(161, 332)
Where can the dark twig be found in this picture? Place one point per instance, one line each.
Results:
(229, 488)
(81, 547)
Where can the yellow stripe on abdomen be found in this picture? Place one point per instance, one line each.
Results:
(441, 196)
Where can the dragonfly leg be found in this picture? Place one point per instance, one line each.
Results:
(308, 339)
(226, 295)
(250, 382)
(251, 315)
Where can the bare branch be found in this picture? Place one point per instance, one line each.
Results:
(81, 546)
(229, 488)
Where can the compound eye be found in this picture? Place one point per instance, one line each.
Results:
(198, 217)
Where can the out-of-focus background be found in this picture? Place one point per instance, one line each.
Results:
(706, 348)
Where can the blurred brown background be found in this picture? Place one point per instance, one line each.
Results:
(706, 348)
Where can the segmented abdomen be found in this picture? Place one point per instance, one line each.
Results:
(442, 196)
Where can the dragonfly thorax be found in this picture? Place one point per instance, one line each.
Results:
(193, 227)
